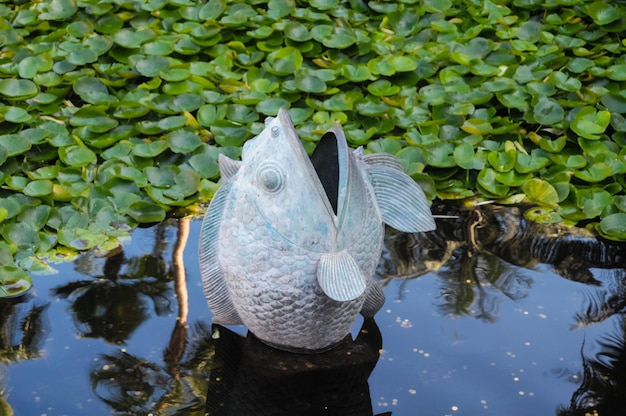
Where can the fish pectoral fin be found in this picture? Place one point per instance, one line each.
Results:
(402, 202)
(340, 277)
(213, 282)
(228, 167)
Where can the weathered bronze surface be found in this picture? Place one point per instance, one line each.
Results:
(290, 244)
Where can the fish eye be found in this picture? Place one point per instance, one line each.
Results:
(271, 178)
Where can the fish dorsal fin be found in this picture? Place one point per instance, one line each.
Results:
(340, 277)
(213, 282)
(383, 160)
(228, 166)
(402, 202)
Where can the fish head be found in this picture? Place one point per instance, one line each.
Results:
(280, 187)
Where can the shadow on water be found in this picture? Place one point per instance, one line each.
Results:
(112, 335)
(250, 378)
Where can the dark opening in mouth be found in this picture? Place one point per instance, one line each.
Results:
(326, 163)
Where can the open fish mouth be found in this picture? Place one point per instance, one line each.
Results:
(328, 164)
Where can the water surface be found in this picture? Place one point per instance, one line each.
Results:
(489, 315)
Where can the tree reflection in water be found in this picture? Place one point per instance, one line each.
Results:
(132, 385)
(480, 256)
(23, 330)
(112, 304)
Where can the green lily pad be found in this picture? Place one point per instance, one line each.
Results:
(590, 123)
(16, 115)
(93, 118)
(540, 192)
(183, 141)
(80, 238)
(18, 89)
(596, 172)
(383, 87)
(152, 66)
(603, 13)
(228, 133)
(613, 226)
(465, 157)
(310, 83)
(77, 156)
(15, 144)
(477, 126)
(150, 149)
(38, 188)
(23, 235)
(487, 180)
(548, 111)
(146, 212)
(13, 282)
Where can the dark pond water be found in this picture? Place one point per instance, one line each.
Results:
(489, 315)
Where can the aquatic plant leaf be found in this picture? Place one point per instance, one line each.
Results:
(150, 149)
(38, 188)
(183, 141)
(80, 238)
(23, 235)
(613, 226)
(13, 282)
(602, 13)
(14, 144)
(18, 89)
(548, 111)
(589, 123)
(540, 192)
(77, 156)
(146, 212)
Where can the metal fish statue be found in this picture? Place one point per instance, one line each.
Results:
(289, 244)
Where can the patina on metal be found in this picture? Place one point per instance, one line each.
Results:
(289, 244)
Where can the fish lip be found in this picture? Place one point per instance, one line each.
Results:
(342, 161)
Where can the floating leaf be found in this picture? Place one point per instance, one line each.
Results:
(23, 235)
(80, 238)
(540, 192)
(93, 118)
(146, 212)
(38, 188)
(589, 123)
(77, 156)
(13, 282)
(383, 87)
(152, 66)
(18, 89)
(613, 226)
(548, 111)
(603, 13)
(14, 144)
(150, 149)
(477, 126)
(183, 141)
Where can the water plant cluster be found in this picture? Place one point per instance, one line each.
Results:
(114, 112)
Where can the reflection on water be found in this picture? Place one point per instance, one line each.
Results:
(470, 304)
(23, 328)
(251, 379)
